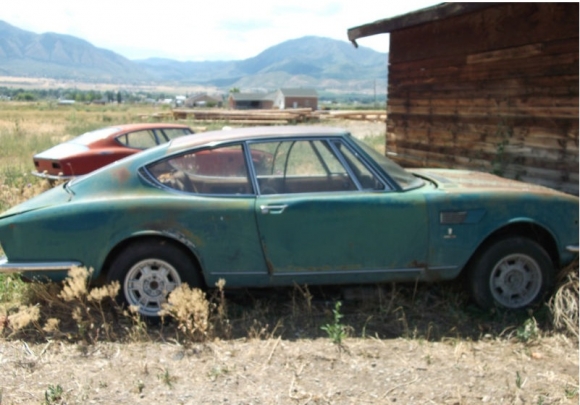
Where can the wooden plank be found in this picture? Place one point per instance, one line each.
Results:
(290, 115)
(469, 112)
(504, 26)
(548, 65)
(539, 158)
(565, 86)
(518, 52)
(490, 124)
(552, 48)
(257, 122)
(493, 136)
(487, 102)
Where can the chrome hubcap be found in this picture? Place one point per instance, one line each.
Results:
(148, 283)
(515, 281)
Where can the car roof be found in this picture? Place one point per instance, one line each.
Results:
(252, 133)
(148, 125)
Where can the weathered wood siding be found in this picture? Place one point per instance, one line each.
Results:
(495, 90)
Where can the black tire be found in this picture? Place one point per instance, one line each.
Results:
(511, 273)
(148, 271)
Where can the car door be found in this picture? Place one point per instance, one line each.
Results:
(210, 201)
(323, 220)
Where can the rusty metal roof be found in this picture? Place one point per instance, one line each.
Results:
(422, 16)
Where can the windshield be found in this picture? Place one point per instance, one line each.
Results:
(403, 178)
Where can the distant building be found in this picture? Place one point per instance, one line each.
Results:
(180, 100)
(203, 100)
(250, 101)
(296, 98)
(279, 99)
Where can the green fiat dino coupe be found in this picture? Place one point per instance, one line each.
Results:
(275, 206)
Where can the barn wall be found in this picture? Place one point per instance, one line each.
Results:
(495, 90)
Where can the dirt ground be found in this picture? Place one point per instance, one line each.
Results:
(278, 371)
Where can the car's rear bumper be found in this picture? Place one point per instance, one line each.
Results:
(51, 176)
(9, 267)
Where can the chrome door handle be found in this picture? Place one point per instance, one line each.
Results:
(273, 209)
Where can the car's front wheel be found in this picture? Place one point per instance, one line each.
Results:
(148, 271)
(512, 273)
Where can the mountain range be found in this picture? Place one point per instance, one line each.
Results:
(318, 62)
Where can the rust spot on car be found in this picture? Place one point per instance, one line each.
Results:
(269, 264)
(122, 175)
(179, 237)
(415, 264)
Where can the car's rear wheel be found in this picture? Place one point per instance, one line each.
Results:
(148, 271)
(512, 273)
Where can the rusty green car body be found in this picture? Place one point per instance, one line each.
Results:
(263, 207)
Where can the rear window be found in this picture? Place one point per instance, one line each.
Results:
(90, 137)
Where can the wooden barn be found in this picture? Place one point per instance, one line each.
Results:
(485, 86)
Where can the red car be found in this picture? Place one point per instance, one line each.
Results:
(98, 148)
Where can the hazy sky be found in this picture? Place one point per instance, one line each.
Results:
(190, 30)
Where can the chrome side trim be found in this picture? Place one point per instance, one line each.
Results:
(8, 267)
(572, 248)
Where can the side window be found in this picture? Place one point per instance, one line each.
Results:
(172, 133)
(139, 139)
(207, 171)
(366, 178)
(298, 166)
(303, 161)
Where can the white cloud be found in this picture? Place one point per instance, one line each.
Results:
(209, 30)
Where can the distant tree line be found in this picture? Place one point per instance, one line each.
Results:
(81, 96)
(327, 100)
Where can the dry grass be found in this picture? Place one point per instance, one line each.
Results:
(404, 345)
(564, 303)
